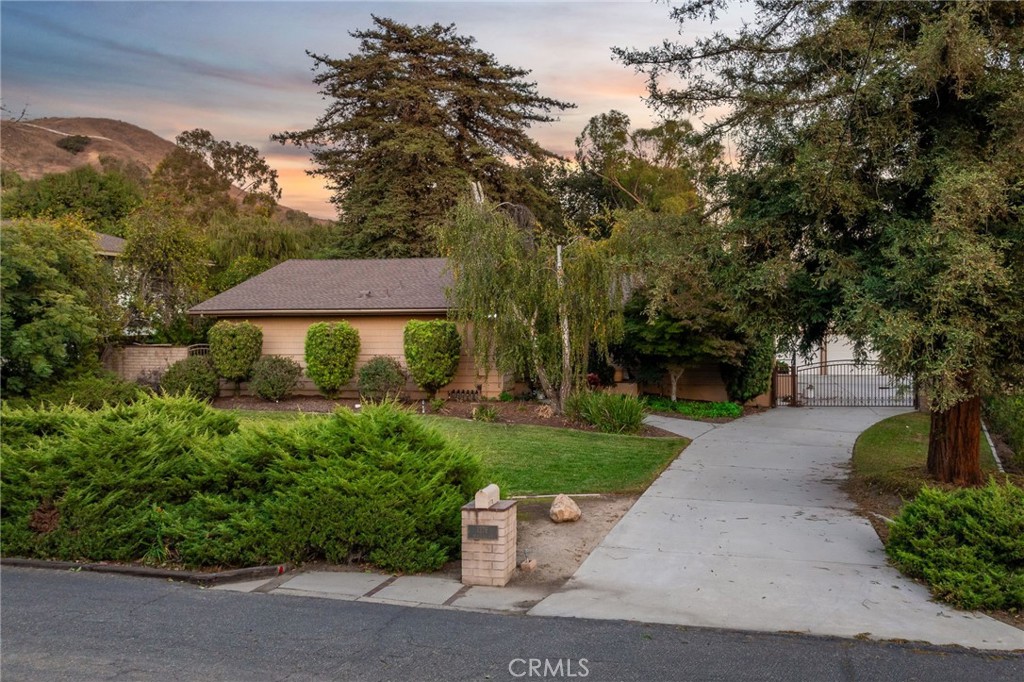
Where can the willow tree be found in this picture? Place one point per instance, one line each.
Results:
(880, 177)
(529, 301)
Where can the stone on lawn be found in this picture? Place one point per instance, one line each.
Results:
(528, 566)
(564, 509)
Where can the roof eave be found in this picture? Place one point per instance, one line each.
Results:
(318, 313)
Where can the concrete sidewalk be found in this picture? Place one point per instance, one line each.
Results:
(749, 529)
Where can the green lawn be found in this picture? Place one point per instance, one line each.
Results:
(538, 460)
(892, 454)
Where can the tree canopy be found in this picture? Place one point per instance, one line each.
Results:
(240, 164)
(880, 175)
(412, 117)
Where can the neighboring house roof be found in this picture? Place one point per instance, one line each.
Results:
(356, 287)
(109, 245)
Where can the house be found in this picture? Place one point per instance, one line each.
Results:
(376, 296)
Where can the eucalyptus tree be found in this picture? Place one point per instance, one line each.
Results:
(880, 178)
(412, 116)
(530, 300)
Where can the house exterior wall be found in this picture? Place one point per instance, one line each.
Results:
(378, 335)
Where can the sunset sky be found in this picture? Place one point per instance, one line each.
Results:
(240, 69)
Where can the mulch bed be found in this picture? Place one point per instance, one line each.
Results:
(514, 412)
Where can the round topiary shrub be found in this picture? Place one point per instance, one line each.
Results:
(381, 378)
(274, 377)
(432, 350)
(331, 350)
(195, 375)
(234, 348)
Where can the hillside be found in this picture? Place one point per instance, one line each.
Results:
(30, 147)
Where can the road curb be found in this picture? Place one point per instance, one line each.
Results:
(194, 577)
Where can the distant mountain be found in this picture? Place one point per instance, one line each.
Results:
(30, 147)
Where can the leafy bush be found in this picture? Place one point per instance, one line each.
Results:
(274, 377)
(73, 143)
(194, 375)
(171, 479)
(432, 350)
(381, 378)
(609, 413)
(753, 376)
(331, 350)
(695, 409)
(90, 392)
(1005, 415)
(968, 544)
(234, 348)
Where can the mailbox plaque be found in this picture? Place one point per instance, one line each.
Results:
(476, 532)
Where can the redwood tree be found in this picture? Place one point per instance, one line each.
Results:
(880, 179)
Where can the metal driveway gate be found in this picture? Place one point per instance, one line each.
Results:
(842, 383)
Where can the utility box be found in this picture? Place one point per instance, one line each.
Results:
(488, 540)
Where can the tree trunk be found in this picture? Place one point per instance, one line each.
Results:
(954, 454)
(675, 373)
(563, 314)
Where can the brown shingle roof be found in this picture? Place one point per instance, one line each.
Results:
(109, 245)
(337, 286)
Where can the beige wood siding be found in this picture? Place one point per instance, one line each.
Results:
(378, 335)
(700, 382)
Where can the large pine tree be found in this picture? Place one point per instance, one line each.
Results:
(413, 117)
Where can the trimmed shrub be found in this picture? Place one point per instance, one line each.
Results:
(331, 351)
(967, 544)
(432, 350)
(382, 378)
(170, 479)
(753, 376)
(194, 375)
(274, 377)
(609, 413)
(485, 413)
(234, 349)
(695, 409)
(90, 392)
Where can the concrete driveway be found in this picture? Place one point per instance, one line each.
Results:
(749, 529)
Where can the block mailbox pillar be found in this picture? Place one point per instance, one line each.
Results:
(488, 539)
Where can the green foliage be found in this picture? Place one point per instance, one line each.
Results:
(73, 143)
(968, 544)
(241, 269)
(695, 409)
(331, 351)
(381, 378)
(484, 413)
(194, 375)
(165, 273)
(274, 377)
(432, 351)
(102, 200)
(437, 404)
(1004, 414)
(240, 164)
(90, 392)
(609, 413)
(185, 185)
(56, 302)
(172, 479)
(753, 375)
(234, 348)
(524, 310)
(397, 169)
(506, 397)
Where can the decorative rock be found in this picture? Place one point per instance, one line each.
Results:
(528, 566)
(545, 412)
(564, 509)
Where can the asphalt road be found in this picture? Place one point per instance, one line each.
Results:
(83, 626)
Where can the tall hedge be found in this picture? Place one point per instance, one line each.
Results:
(331, 350)
(432, 350)
(753, 376)
(234, 349)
